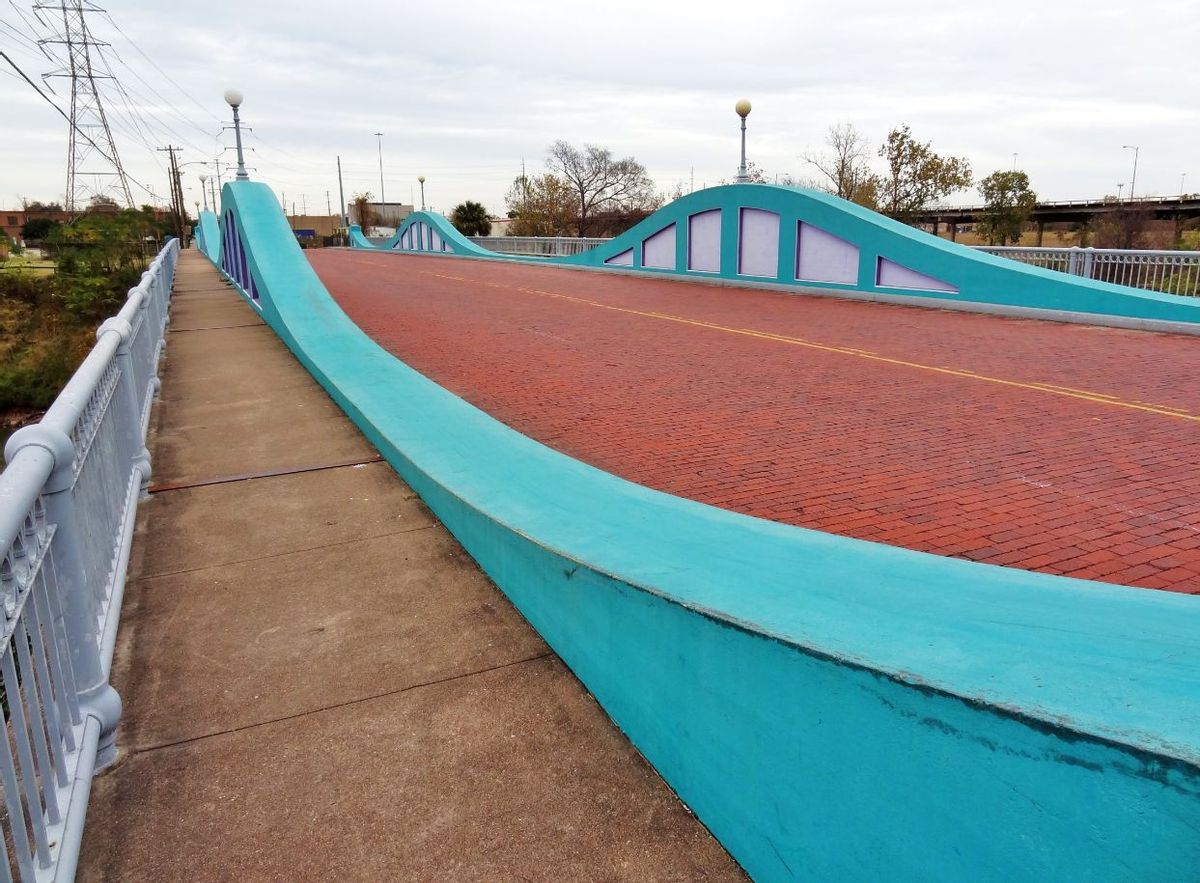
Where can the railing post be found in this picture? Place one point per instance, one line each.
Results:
(1073, 261)
(1089, 257)
(80, 617)
(134, 443)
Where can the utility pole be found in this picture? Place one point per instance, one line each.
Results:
(304, 204)
(342, 197)
(328, 205)
(177, 202)
(89, 134)
(382, 199)
(1133, 181)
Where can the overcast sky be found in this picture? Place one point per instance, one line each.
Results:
(464, 91)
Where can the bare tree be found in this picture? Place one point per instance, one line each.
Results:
(361, 210)
(599, 182)
(846, 167)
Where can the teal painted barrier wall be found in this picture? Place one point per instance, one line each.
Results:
(880, 250)
(830, 708)
(208, 236)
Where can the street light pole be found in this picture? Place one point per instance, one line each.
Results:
(382, 198)
(1133, 180)
(233, 98)
(421, 179)
(204, 190)
(743, 110)
(342, 197)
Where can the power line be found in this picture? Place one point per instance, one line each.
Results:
(168, 77)
(60, 112)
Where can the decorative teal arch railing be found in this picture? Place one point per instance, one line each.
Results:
(830, 708)
(762, 234)
(208, 236)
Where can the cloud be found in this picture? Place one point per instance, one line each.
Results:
(463, 93)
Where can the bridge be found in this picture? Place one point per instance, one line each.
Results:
(1177, 209)
(877, 550)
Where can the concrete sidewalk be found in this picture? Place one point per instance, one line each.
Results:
(320, 684)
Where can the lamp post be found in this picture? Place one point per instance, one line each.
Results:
(1120, 187)
(204, 190)
(1133, 180)
(382, 198)
(1015, 155)
(233, 97)
(421, 180)
(1182, 179)
(743, 110)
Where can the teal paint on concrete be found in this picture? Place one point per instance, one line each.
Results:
(208, 237)
(980, 278)
(358, 240)
(459, 244)
(830, 708)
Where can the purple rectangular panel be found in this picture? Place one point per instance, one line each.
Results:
(758, 243)
(658, 251)
(823, 257)
(893, 275)
(704, 241)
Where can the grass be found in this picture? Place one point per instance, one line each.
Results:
(28, 263)
(41, 345)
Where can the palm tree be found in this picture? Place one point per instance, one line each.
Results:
(471, 219)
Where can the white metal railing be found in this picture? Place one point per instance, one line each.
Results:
(68, 499)
(1171, 272)
(537, 246)
(1095, 201)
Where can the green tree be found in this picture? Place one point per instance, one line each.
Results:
(36, 229)
(1009, 203)
(543, 205)
(601, 184)
(101, 256)
(916, 176)
(471, 219)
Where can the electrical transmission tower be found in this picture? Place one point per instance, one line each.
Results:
(93, 166)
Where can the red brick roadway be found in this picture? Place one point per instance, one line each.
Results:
(1064, 449)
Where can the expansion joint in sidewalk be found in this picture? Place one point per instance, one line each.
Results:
(449, 679)
(267, 473)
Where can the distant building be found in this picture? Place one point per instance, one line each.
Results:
(385, 214)
(314, 226)
(500, 226)
(12, 220)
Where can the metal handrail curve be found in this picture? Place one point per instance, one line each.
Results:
(68, 501)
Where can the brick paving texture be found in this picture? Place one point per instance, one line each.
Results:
(1065, 449)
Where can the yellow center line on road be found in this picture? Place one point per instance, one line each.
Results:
(1053, 389)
